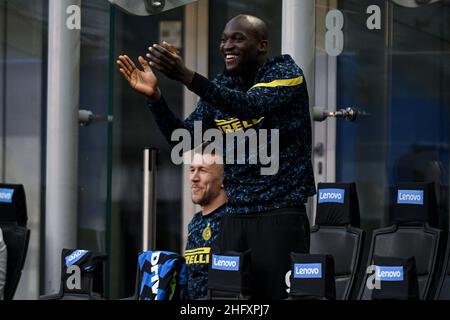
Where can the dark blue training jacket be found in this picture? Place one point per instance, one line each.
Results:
(278, 100)
(203, 232)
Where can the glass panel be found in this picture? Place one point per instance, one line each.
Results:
(134, 130)
(93, 139)
(23, 88)
(363, 82)
(400, 76)
(419, 114)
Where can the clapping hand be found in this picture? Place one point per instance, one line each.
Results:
(167, 59)
(144, 81)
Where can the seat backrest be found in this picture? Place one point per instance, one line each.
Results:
(312, 277)
(89, 270)
(229, 276)
(413, 208)
(13, 220)
(420, 242)
(345, 245)
(414, 203)
(337, 205)
(443, 286)
(335, 233)
(81, 276)
(396, 279)
(16, 240)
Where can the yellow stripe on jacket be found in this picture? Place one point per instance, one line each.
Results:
(280, 83)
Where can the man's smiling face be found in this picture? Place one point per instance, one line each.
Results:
(240, 47)
(206, 178)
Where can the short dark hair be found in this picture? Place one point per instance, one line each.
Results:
(258, 26)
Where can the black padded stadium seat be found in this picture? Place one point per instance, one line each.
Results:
(413, 234)
(229, 276)
(89, 285)
(443, 287)
(312, 277)
(396, 277)
(13, 222)
(336, 233)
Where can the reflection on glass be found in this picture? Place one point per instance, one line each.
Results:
(23, 88)
(134, 130)
(400, 75)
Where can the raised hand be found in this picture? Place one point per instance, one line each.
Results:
(168, 60)
(144, 81)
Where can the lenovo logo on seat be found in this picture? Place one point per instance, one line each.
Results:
(384, 273)
(6, 195)
(74, 257)
(225, 263)
(331, 195)
(308, 270)
(410, 197)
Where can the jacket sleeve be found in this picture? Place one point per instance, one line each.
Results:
(260, 100)
(168, 122)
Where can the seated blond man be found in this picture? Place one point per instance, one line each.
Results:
(207, 190)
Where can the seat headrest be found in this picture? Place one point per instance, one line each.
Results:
(337, 204)
(397, 278)
(90, 265)
(413, 203)
(230, 271)
(312, 275)
(13, 206)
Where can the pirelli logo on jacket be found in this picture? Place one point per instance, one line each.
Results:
(197, 255)
(234, 124)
